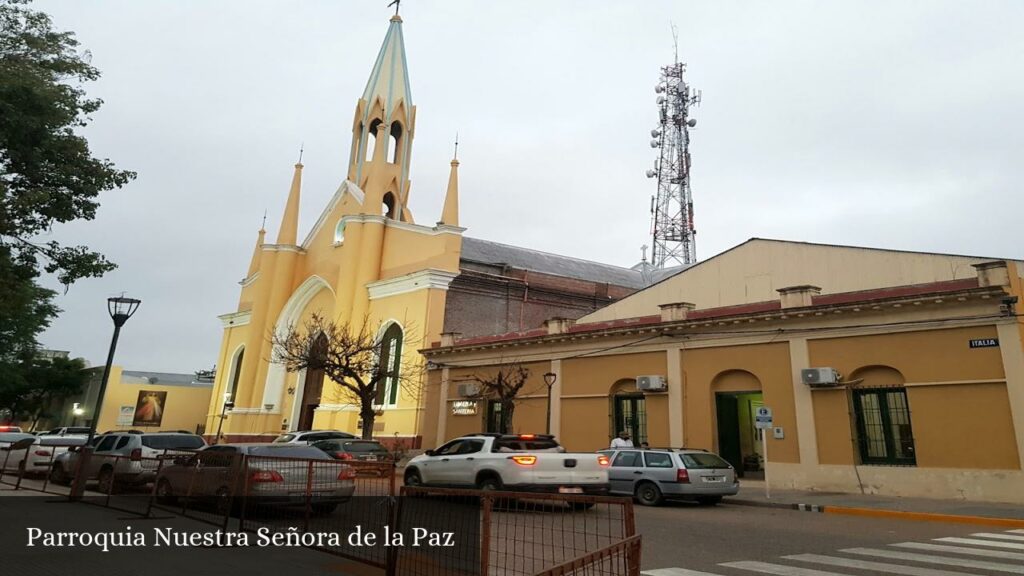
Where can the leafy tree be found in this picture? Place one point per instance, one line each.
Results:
(349, 355)
(47, 173)
(38, 384)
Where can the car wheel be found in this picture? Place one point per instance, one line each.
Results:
(489, 483)
(164, 492)
(106, 481)
(412, 478)
(709, 500)
(57, 475)
(648, 494)
(325, 509)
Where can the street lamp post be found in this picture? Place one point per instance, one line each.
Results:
(228, 405)
(549, 379)
(121, 309)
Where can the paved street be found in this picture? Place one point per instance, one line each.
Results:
(685, 540)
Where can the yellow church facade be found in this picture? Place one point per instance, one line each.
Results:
(365, 259)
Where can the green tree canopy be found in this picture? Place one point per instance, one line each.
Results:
(47, 172)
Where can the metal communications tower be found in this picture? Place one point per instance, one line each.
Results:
(672, 228)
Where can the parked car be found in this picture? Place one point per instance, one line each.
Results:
(653, 475)
(67, 431)
(310, 436)
(362, 450)
(9, 458)
(124, 457)
(520, 462)
(275, 474)
(36, 459)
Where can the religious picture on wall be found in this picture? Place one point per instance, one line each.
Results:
(149, 410)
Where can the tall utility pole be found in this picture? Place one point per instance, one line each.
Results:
(672, 230)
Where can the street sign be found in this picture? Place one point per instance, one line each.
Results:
(763, 418)
(983, 343)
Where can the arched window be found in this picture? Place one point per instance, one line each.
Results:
(389, 205)
(236, 371)
(394, 141)
(390, 365)
(371, 135)
(339, 233)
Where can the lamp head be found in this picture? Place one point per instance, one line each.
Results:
(549, 379)
(122, 308)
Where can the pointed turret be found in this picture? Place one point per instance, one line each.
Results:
(450, 213)
(288, 233)
(382, 130)
(257, 252)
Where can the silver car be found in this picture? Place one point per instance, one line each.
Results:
(124, 458)
(652, 475)
(310, 436)
(274, 474)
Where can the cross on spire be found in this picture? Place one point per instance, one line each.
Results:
(395, 3)
(456, 146)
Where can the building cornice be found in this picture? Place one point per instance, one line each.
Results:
(421, 280)
(244, 282)
(697, 327)
(283, 248)
(235, 319)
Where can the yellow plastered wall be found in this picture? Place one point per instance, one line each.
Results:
(597, 375)
(963, 426)
(185, 407)
(947, 420)
(767, 363)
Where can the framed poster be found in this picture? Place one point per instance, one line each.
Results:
(149, 409)
(126, 416)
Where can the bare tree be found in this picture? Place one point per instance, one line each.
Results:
(504, 385)
(348, 354)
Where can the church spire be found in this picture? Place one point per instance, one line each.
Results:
(450, 213)
(288, 233)
(382, 130)
(257, 252)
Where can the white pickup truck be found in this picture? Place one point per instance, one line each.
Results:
(516, 462)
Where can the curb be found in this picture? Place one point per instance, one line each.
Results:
(884, 513)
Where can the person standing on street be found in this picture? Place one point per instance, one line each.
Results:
(622, 441)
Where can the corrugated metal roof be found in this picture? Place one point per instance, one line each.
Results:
(487, 252)
(166, 378)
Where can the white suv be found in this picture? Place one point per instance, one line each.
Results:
(125, 457)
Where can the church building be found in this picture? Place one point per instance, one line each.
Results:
(367, 257)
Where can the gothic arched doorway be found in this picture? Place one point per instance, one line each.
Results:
(312, 388)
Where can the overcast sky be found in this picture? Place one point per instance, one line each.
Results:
(888, 124)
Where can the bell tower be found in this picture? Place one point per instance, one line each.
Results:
(382, 131)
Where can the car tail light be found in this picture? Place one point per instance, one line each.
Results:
(265, 476)
(41, 453)
(135, 455)
(342, 455)
(347, 473)
(527, 436)
(682, 476)
(602, 460)
(524, 460)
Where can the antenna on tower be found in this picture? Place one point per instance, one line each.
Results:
(672, 231)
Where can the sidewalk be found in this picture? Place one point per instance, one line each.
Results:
(960, 511)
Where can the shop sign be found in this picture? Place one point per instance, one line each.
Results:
(464, 408)
(984, 343)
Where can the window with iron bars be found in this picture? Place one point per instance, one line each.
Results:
(884, 434)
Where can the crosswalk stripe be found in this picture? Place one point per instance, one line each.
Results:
(778, 569)
(1016, 531)
(874, 566)
(962, 550)
(979, 542)
(675, 572)
(945, 561)
(998, 536)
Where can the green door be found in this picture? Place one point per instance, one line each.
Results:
(727, 406)
(630, 413)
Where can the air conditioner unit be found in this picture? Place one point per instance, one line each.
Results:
(820, 377)
(651, 383)
(469, 390)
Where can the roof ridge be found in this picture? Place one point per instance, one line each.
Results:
(616, 266)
